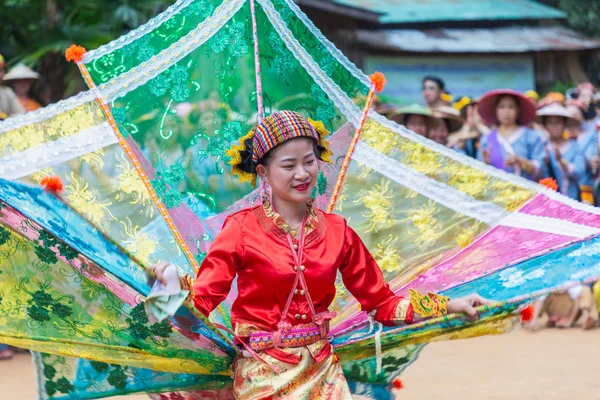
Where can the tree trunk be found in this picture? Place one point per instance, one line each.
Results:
(52, 81)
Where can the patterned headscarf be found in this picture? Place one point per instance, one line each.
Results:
(271, 132)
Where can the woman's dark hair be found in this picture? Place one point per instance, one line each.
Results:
(436, 80)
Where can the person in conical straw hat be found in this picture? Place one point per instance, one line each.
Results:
(415, 117)
(511, 145)
(286, 254)
(9, 102)
(564, 159)
(21, 78)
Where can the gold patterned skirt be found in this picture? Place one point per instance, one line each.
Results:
(307, 379)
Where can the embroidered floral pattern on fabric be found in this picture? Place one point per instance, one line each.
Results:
(379, 202)
(140, 75)
(87, 201)
(68, 123)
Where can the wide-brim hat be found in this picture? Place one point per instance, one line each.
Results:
(451, 115)
(557, 110)
(487, 106)
(399, 114)
(21, 71)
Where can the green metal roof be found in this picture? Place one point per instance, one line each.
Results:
(414, 11)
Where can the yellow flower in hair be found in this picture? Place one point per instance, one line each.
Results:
(236, 160)
(460, 104)
(323, 132)
(447, 97)
(532, 94)
(319, 127)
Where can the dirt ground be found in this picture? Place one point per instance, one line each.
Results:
(549, 364)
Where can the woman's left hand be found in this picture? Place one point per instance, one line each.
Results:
(158, 272)
(467, 305)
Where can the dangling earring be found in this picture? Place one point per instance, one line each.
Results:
(262, 188)
(265, 191)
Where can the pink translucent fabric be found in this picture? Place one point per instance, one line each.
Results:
(543, 206)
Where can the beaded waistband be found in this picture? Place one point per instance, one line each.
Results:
(295, 337)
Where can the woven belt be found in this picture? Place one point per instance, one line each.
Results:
(295, 337)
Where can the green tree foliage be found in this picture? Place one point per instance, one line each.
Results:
(37, 32)
(582, 14)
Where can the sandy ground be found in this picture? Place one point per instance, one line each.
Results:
(549, 364)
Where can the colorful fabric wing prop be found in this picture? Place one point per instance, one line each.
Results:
(142, 155)
(103, 319)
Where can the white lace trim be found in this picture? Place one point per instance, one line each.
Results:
(333, 91)
(548, 225)
(451, 198)
(27, 162)
(136, 33)
(147, 70)
(478, 165)
(43, 113)
(333, 50)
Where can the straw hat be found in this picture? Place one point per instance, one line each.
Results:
(449, 114)
(399, 115)
(21, 71)
(487, 106)
(557, 110)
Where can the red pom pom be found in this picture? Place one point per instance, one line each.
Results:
(527, 313)
(397, 384)
(378, 80)
(549, 183)
(74, 53)
(52, 184)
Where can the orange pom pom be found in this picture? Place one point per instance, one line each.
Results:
(378, 80)
(397, 384)
(52, 184)
(549, 183)
(527, 313)
(74, 53)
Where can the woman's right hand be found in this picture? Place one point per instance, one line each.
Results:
(158, 271)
